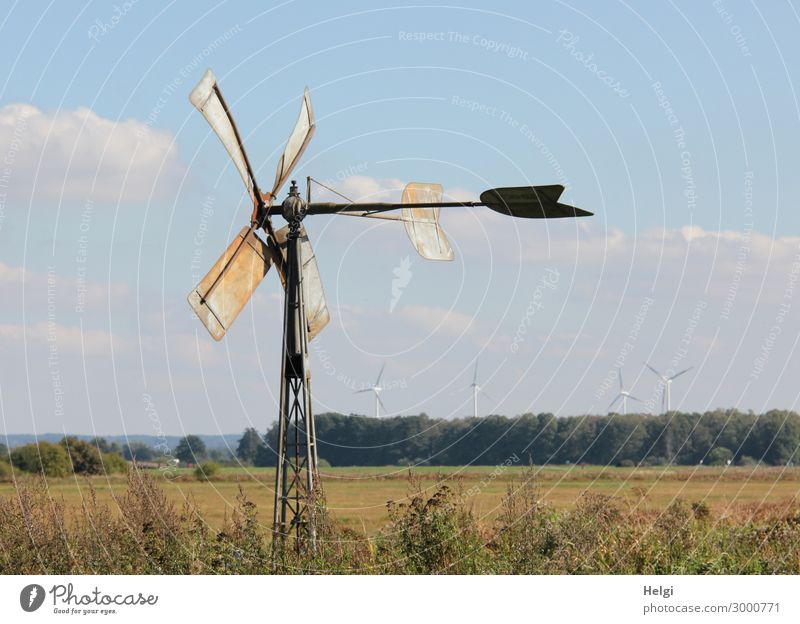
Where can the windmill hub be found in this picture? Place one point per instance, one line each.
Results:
(294, 207)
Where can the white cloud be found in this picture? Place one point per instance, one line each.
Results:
(76, 154)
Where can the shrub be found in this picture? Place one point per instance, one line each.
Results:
(205, 470)
(719, 456)
(113, 463)
(44, 458)
(5, 470)
(84, 457)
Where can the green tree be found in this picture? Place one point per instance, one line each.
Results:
(719, 456)
(249, 443)
(191, 450)
(49, 459)
(139, 451)
(84, 456)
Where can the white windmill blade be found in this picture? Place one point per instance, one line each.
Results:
(630, 396)
(675, 376)
(317, 315)
(422, 224)
(654, 370)
(235, 275)
(486, 394)
(620, 379)
(364, 390)
(378, 381)
(610, 405)
(380, 401)
(207, 98)
(475, 374)
(298, 141)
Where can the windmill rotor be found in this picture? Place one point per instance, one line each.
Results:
(220, 296)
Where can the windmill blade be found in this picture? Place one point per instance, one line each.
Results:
(378, 380)
(610, 405)
(364, 390)
(236, 274)
(620, 380)
(207, 98)
(654, 370)
(530, 202)
(681, 373)
(630, 396)
(317, 315)
(380, 401)
(487, 395)
(298, 141)
(422, 224)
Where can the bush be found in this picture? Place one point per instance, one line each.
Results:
(719, 456)
(45, 458)
(205, 470)
(85, 457)
(113, 462)
(5, 470)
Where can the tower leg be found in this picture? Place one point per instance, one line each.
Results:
(296, 467)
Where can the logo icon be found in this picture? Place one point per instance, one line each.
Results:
(31, 597)
(402, 277)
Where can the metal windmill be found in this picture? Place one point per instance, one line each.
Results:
(221, 294)
(624, 395)
(667, 383)
(376, 388)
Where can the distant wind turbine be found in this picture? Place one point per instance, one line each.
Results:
(475, 390)
(667, 381)
(377, 389)
(624, 395)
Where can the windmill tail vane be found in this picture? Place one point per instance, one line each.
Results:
(230, 283)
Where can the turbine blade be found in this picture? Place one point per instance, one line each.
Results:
(296, 144)
(487, 395)
(610, 405)
(681, 373)
(378, 380)
(475, 375)
(620, 380)
(630, 396)
(654, 370)
(364, 390)
(380, 401)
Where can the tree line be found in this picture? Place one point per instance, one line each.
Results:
(715, 437)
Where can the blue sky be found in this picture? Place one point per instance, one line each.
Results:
(675, 123)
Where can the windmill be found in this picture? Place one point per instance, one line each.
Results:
(223, 292)
(667, 381)
(475, 390)
(624, 395)
(377, 389)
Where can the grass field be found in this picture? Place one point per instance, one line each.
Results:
(357, 497)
